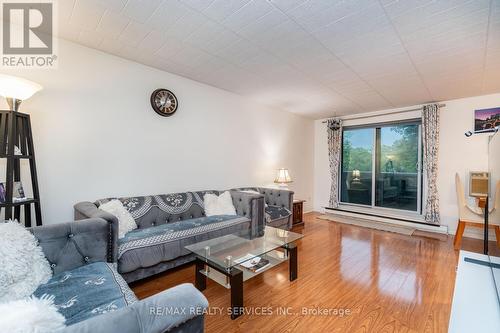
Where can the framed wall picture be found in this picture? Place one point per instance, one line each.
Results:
(486, 120)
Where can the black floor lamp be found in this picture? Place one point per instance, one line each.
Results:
(16, 143)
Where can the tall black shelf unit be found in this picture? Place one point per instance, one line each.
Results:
(15, 131)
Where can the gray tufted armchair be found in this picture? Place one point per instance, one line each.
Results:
(279, 205)
(88, 248)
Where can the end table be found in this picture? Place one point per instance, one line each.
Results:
(298, 211)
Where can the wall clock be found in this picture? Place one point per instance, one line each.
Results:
(164, 102)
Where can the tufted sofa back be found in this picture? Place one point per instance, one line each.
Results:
(70, 245)
(273, 197)
(152, 210)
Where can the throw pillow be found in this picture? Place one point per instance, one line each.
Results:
(126, 222)
(23, 266)
(31, 315)
(218, 205)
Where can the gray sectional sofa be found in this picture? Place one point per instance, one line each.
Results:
(93, 297)
(167, 223)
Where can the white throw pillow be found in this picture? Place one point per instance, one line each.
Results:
(31, 315)
(23, 266)
(126, 222)
(218, 205)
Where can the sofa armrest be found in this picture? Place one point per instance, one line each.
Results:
(251, 206)
(278, 197)
(70, 245)
(163, 312)
(86, 210)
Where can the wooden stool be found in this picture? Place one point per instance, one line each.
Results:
(461, 227)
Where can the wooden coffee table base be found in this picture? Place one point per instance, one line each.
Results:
(235, 277)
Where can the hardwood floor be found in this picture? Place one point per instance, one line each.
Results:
(388, 282)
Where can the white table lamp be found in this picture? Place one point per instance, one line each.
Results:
(283, 178)
(356, 175)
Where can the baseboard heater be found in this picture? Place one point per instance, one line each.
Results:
(380, 216)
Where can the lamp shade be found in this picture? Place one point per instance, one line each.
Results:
(17, 88)
(356, 173)
(283, 176)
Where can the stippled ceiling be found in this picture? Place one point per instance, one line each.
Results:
(312, 57)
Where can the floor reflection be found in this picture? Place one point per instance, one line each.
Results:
(374, 261)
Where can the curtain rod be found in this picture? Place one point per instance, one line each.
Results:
(382, 114)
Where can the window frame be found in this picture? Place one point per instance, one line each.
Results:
(372, 209)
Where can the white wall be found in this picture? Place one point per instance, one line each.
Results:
(457, 153)
(96, 134)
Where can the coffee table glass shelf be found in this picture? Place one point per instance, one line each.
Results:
(221, 259)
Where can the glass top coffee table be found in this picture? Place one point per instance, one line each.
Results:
(229, 260)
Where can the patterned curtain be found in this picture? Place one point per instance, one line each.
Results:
(334, 128)
(430, 140)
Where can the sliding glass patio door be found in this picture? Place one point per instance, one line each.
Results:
(357, 166)
(381, 167)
